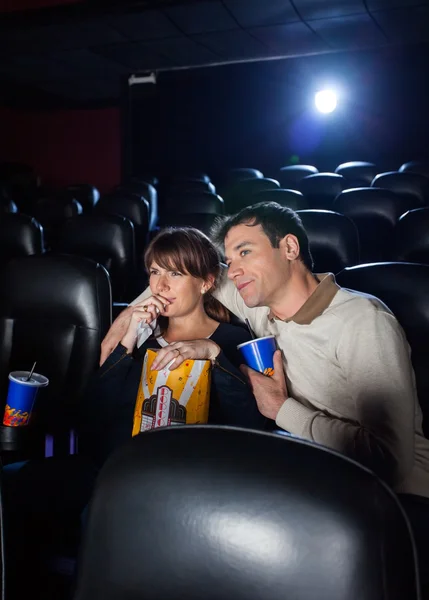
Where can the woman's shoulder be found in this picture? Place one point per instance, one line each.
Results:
(233, 334)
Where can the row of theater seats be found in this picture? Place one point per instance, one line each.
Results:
(56, 309)
(368, 231)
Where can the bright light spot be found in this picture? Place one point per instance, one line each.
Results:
(326, 101)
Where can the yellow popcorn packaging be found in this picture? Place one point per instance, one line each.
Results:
(178, 397)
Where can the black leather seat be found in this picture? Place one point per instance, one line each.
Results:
(290, 176)
(109, 240)
(406, 184)
(404, 288)
(7, 206)
(87, 195)
(357, 171)
(241, 194)
(183, 186)
(321, 189)
(202, 221)
(132, 206)
(375, 212)
(20, 235)
(149, 193)
(334, 240)
(290, 198)
(215, 512)
(416, 166)
(52, 211)
(54, 310)
(193, 202)
(411, 237)
(235, 175)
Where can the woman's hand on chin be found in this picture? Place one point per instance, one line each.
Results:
(181, 351)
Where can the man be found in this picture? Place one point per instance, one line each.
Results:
(343, 375)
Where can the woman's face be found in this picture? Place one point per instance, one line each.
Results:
(183, 291)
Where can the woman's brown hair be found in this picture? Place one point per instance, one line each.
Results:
(189, 251)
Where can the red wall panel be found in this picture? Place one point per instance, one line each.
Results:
(65, 146)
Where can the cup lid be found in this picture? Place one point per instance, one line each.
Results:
(36, 380)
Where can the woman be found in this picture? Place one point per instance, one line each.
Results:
(183, 267)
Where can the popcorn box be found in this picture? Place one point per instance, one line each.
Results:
(178, 397)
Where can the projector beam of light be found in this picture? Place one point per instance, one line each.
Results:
(325, 101)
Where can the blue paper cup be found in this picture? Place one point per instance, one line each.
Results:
(258, 354)
(21, 397)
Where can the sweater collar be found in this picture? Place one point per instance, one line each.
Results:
(316, 304)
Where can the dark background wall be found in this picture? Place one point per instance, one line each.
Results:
(65, 146)
(262, 114)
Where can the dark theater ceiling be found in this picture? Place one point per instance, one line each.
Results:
(84, 51)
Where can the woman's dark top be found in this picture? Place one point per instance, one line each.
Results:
(108, 409)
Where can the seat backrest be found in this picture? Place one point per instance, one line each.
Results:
(290, 176)
(107, 239)
(406, 184)
(241, 194)
(411, 237)
(133, 207)
(184, 186)
(20, 235)
(201, 221)
(357, 170)
(334, 240)
(375, 212)
(87, 195)
(54, 310)
(217, 512)
(321, 189)
(235, 175)
(52, 212)
(149, 193)
(289, 198)
(404, 288)
(416, 166)
(192, 202)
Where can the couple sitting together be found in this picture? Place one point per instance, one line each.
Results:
(343, 374)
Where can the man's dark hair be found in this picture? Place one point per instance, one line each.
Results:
(276, 221)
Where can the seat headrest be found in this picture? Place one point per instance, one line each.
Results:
(294, 173)
(132, 206)
(412, 236)
(357, 171)
(334, 240)
(87, 195)
(416, 166)
(235, 175)
(68, 286)
(289, 198)
(194, 202)
(407, 184)
(253, 515)
(330, 184)
(191, 185)
(372, 202)
(107, 235)
(20, 235)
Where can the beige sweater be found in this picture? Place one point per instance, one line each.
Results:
(350, 380)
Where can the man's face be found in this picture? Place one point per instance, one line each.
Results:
(258, 270)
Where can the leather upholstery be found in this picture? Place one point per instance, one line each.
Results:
(193, 202)
(107, 239)
(133, 207)
(416, 166)
(192, 175)
(201, 221)
(149, 193)
(411, 237)
(7, 206)
(333, 238)
(52, 212)
(87, 195)
(54, 310)
(404, 287)
(290, 176)
(241, 194)
(191, 185)
(405, 184)
(235, 175)
(215, 513)
(321, 189)
(20, 235)
(290, 198)
(375, 212)
(357, 170)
